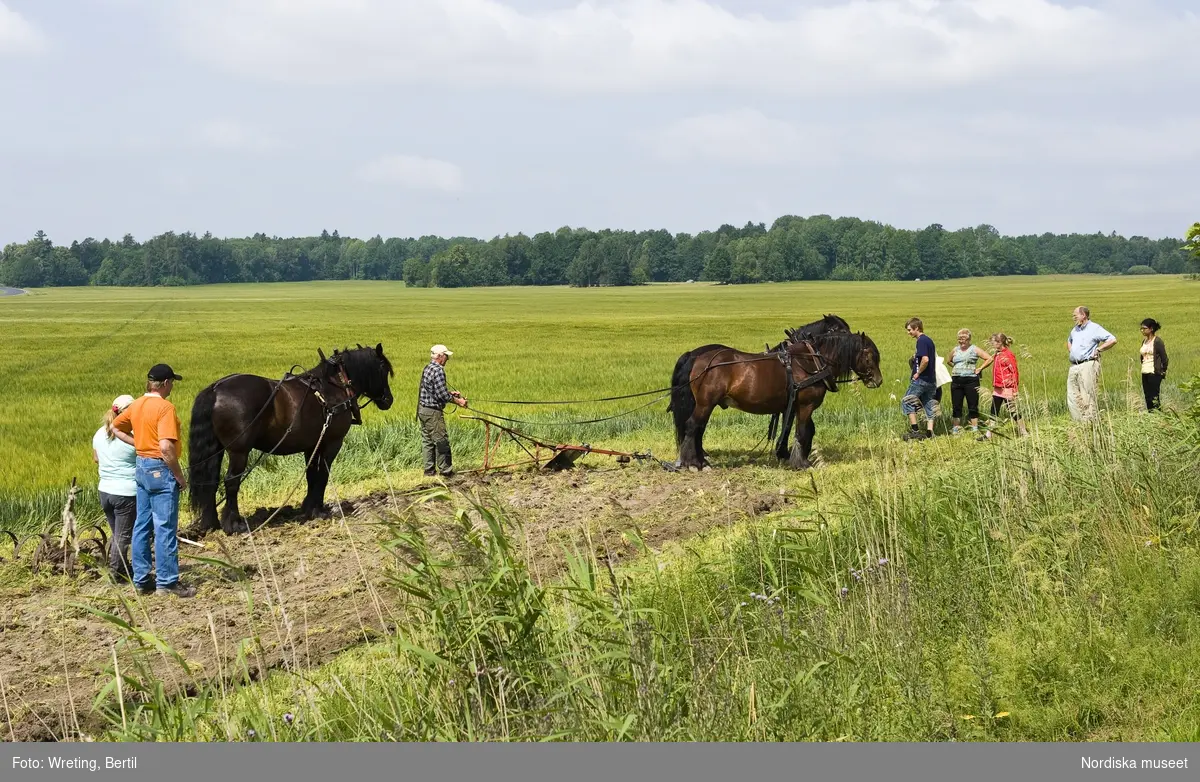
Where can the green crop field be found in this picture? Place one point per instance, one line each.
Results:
(69, 352)
(1044, 588)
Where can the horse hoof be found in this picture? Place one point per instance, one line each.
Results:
(234, 527)
(706, 468)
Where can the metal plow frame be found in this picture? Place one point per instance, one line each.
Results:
(560, 456)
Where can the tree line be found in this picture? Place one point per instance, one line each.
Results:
(792, 248)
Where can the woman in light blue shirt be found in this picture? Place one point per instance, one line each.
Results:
(114, 453)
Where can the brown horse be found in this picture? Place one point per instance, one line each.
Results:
(819, 356)
(309, 413)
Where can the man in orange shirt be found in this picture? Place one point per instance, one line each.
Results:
(154, 424)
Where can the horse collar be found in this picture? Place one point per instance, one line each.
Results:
(346, 384)
(348, 403)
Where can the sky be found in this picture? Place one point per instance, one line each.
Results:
(492, 117)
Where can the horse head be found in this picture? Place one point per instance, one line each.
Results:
(368, 370)
(866, 362)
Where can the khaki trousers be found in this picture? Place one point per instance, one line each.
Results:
(435, 442)
(1083, 390)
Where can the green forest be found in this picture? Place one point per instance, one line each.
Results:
(792, 248)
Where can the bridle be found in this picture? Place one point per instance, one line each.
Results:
(342, 381)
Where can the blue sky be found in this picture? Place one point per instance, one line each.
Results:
(484, 117)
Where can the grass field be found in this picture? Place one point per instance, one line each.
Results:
(70, 351)
(1035, 589)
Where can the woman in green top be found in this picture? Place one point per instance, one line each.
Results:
(966, 362)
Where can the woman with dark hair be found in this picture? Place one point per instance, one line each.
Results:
(1154, 363)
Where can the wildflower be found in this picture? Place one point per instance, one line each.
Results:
(743, 603)
(882, 561)
(845, 591)
(450, 683)
(892, 397)
(289, 718)
(250, 733)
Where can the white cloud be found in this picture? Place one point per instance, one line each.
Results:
(742, 136)
(649, 45)
(232, 135)
(17, 36)
(747, 136)
(413, 172)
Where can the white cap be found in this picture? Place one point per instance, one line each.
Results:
(122, 402)
(437, 350)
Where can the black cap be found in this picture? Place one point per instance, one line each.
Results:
(161, 372)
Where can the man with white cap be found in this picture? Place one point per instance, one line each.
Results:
(432, 398)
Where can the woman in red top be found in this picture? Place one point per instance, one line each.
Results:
(1005, 381)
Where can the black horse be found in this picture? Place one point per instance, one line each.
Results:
(309, 413)
(788, 381)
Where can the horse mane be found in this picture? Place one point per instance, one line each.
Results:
(359, 361)
(828, 324)
(838, 349)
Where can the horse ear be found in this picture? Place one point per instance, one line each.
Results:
(379, 349)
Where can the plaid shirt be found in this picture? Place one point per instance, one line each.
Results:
(433, 392)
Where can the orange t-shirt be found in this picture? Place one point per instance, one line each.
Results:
(149, 419)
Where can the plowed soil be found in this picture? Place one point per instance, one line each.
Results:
(302, 592)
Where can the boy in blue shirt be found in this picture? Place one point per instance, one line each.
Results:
(922, 385)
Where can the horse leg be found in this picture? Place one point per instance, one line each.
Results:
(204, 500)
(691, 453)
(700, 452)
(230, 515)
(700, 420)
(318, 480)
(782, 451)
(802, 447)
(806, 444)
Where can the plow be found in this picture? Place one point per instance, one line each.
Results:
(554, 457)
(76, 549)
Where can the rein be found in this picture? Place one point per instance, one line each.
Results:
(663, 393)
(823, 374)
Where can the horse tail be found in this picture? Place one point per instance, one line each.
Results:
(204, 452)
(683, 401)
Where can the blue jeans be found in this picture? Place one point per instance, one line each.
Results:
(158, 521)
(919, 394)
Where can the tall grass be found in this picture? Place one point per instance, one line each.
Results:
(1046, 588)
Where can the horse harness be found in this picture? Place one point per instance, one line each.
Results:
(824, 374)
(341, 381)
